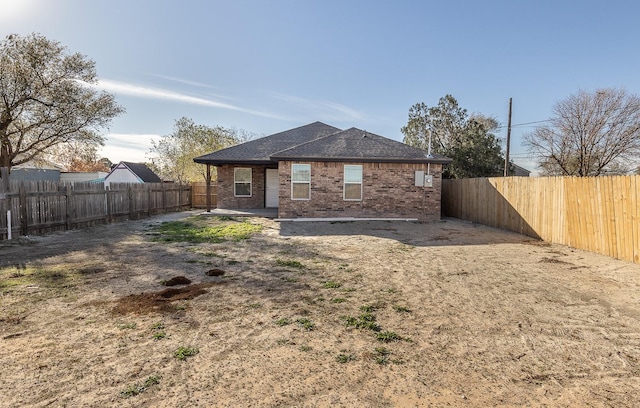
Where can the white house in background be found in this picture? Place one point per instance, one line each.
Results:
(126, 172)
(83, 176)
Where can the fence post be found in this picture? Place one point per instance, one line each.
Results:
(130, 197)
(68, 193)
(24, 226)
(107, 192)
(164, 199)
(149, 192)
(5, 197)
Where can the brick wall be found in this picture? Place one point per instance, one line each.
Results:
(388, 191)
(225, 189)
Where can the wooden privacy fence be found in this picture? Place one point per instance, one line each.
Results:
(41, 207)
(199, 195)
(598, 214)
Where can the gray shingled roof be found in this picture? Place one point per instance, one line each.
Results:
(259, 151)
(142, 171)
(359, 146)
(320, 142)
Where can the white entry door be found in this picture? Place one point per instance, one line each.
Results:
(272, 189)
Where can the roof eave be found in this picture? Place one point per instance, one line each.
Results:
(218, 162)
(364, 159)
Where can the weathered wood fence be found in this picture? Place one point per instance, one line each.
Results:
(598, 214)
(199, 195)
(40, 207)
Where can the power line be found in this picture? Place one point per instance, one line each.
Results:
(526, 123)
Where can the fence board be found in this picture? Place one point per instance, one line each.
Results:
(199, 195)
(599, 214)
(41, 207)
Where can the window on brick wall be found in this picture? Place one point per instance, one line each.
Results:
(242, 182)
(300, 181)
(352, 182)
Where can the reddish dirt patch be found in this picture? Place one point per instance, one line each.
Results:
(177, 280)
(160, 301)
(214, 272)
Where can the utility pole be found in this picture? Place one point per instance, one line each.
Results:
(506, 157)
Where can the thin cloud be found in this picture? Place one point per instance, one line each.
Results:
(139, 91)
(183, 81)
(132, 147)
(324, 108)
(132, 141)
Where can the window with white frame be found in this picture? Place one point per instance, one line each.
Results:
(300, 181)
(352, 182)
(242, 182)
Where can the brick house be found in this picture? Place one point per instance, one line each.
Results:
(319, 171)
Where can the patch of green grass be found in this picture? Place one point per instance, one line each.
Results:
(127, 326)
(289, 279)
(305, 348)
(368, 309)
(225, 218)
(331, 285)
(159, 335)
(131, 391)
(135, 389)
(387, 336)
(343, 358)
(282, 342)
(347, 290)
(338, 300)
(382, 355)
(255, 305)
(306, 323)
(283, 321)
(181, 353)
(401, 309)
(290, 263)
(196, 231)
(57, 277)
(157, 326)
(366, 321)
(152, 380)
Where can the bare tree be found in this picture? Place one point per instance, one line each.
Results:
(589, 134)
(172, 156)
(45, 100)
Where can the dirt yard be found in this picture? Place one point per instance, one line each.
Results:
(360, 314)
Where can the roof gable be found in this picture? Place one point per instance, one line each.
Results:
(259, 151)
(357, 145)
(144, 173)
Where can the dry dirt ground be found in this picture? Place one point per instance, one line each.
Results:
(360, 314)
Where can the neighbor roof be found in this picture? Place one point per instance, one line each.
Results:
(320, 142)
(259, 151)
(142, 171)
(358, 145)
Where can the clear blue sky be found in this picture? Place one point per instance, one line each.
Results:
(267, 66)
